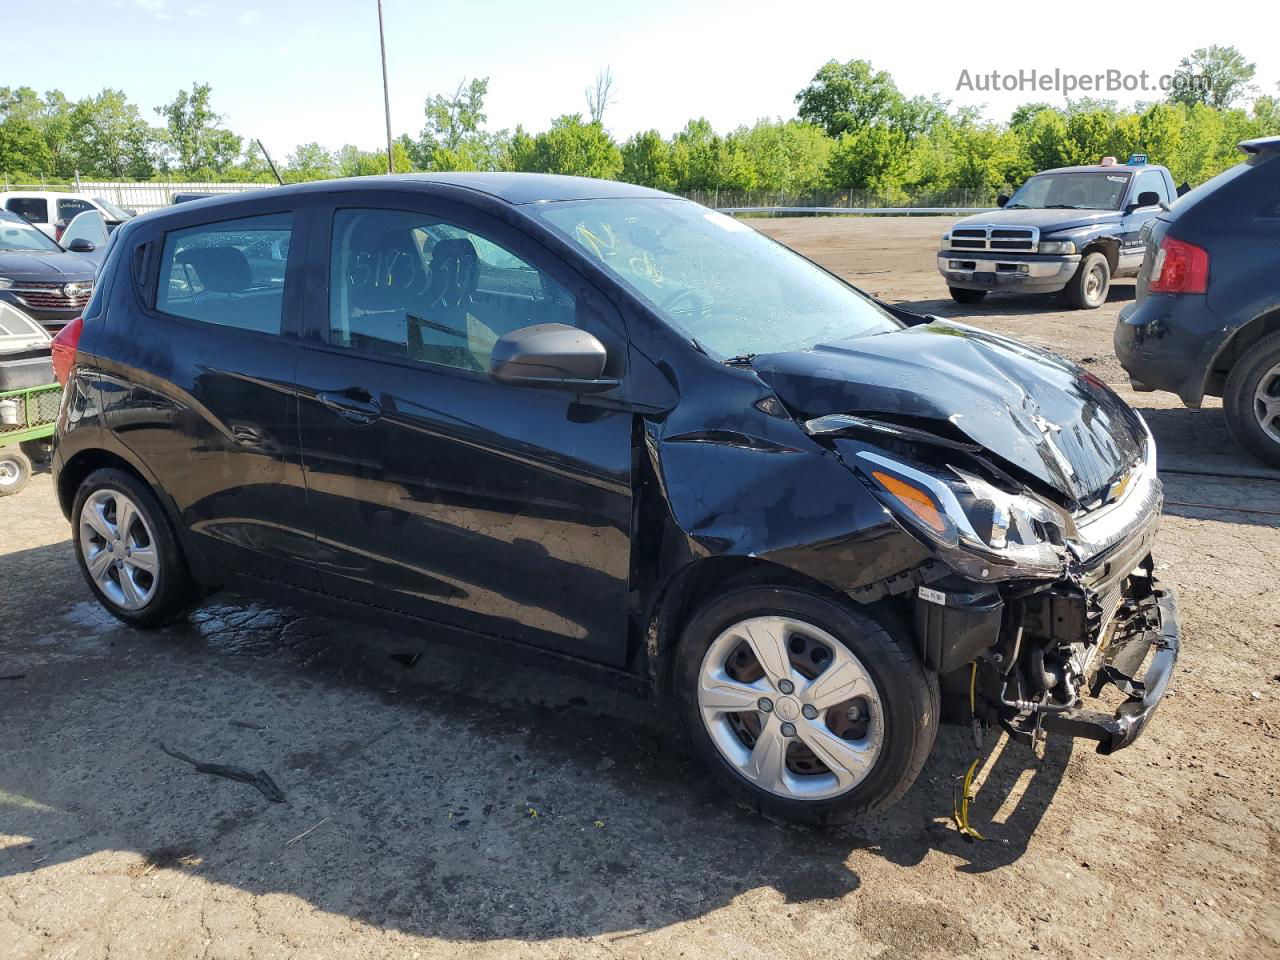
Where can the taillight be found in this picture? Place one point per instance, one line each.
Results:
(65, 345)
(1180, 267)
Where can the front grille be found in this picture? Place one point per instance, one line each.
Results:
(1007, 239)
(53, 296)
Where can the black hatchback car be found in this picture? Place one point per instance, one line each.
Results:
(608, 426)
(1207, 317)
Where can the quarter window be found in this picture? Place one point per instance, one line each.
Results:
(406, 285)
(229, 273)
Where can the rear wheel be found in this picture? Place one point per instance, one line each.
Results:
(961, 295)
(1092, 281)
(803, 708)
(15, 471)
(127, 551)
(1252, 400)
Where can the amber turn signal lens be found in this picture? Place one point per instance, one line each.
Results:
(914, 499)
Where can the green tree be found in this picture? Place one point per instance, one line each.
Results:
(1215, 76)
(646, 160)
(783, 155)
(24, 151)
(309, 161)
(847, 96)
(572, 146)
(110, 138)
(194, 141)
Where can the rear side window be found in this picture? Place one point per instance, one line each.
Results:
(69, 208)
(33, 209)
(229, 273)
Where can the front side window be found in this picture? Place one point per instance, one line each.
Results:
(85, 226)
(33, 209)
(229, 273)
(728, 287)
(1152, 181)
(1071, 191)
(67, 209)
(408, 285)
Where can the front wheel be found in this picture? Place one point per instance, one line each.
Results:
(804, 708)
(1092, 281)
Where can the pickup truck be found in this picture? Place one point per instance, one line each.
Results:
(1071, 229)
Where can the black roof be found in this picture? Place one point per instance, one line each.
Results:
(1261, 145)
(515, 188)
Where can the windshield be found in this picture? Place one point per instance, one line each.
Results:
(731, 289)
(114, 212)
(1071, 191)
(23, 236)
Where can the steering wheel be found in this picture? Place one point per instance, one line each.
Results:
(697, 304)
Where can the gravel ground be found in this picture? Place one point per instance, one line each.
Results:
(466, 808)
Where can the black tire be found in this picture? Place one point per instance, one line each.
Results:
(909, 697)
(15, 471)
(961, 295)
(1258, 369)
(176, 592)
(40, 451)
(1088, 288)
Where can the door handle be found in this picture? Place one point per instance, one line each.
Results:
(354, 403)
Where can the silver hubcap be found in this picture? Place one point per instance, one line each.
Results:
(1093, 284)
(9, 473)
(790, 707)
(1266, 403)
(119, 549)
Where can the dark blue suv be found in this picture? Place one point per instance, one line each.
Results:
(611, 428)
(1207, 317)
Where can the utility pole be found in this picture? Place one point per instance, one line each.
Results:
(386, 94)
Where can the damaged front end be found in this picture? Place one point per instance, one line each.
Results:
(1054, 600)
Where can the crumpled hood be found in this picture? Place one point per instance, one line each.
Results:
(1049, 221)
(1035, 410)
(46, 267)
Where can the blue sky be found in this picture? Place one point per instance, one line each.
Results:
(293, 71)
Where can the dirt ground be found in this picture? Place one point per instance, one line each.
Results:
(466, 808)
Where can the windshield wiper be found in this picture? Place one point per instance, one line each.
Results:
(1062, 206)
(1016, 206)
(743, 360)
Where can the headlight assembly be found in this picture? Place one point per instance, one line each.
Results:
(945, 242)
(5, 283)
(982, 531)
(1057, 246)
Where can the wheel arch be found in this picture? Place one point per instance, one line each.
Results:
(1237, 345)
(1109, 247)
(699, 582)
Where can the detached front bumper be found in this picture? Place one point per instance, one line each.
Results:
(987, 270)
(1158, 629)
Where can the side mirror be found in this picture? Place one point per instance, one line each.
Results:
(1148, 198)
(551, 355)
(81, 245)
(1001, 199)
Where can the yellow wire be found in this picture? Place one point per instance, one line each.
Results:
(960, 810)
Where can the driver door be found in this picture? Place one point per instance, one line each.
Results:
(437, 491)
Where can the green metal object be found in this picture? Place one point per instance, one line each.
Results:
(37, 413)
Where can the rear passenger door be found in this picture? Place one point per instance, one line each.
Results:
(200, 369)
(437, 491)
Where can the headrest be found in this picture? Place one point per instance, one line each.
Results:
(455, 270)
(220, 269)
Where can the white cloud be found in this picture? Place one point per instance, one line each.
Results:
(249, 17)
(156, 7)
